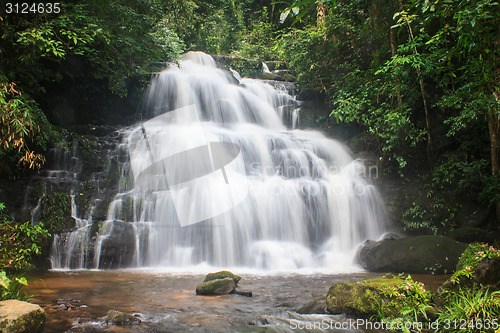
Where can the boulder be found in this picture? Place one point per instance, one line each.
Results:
(419, 254)
(216, 287)
(487, 273)
(361, 298)
(315, 306)
(468, 234)
(17, 316)
(121, 318)
(222, 275)
(271, 76)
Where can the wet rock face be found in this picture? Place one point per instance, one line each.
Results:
(17, 316)
(118, 249)
(420, 254)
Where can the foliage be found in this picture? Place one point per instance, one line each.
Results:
(257, 42)
(55, 212)
(470, 258)
(411, 298)
(20, 243)
(21, 123)
(475, 311)
(11, 287)
(418, 77)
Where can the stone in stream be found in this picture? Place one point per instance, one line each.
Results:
(216, 287)
(222, 275)
(315, 306)
(17, 316)
(221, 283)
(121, 318)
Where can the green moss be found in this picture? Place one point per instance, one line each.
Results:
(216, 287)
(55, 212)
(385, 298)
(363, 298)
(222, 275)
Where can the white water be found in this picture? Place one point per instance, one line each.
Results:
(307, 204)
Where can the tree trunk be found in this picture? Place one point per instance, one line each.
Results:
(422, 90)
(394, 51)
(321, 11)
(494, 128)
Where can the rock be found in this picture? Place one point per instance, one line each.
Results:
(216, 287)
(315, 306)
(222, 275)
(487, 273)
(361, 298)
(17, 316)
(117, 250)
(271, 76)
(307, 92)
(246, 293)
(121, 318)
(420, 254)
(467, 234)
(282, 85)
(275, 65)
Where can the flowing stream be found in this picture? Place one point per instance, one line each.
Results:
(218, 175)
(78, 301)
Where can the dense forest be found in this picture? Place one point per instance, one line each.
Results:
(418, 79)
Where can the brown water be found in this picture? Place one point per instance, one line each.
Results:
(167, 302)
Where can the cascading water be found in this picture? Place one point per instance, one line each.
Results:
(303, 202)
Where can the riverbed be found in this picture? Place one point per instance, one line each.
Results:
(78, 301)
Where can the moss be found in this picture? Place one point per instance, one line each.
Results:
(363, 298)
(18, 319)
(216, 287)
(55, 212)
(222, 275)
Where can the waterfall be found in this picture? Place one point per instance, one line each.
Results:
(219, 175)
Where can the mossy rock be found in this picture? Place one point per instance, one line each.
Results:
(216, 287)
(55, 212)
(271, 76)
(363, 298)
(420, 254)
(121, 318)
(17, 316)
(222, 275)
